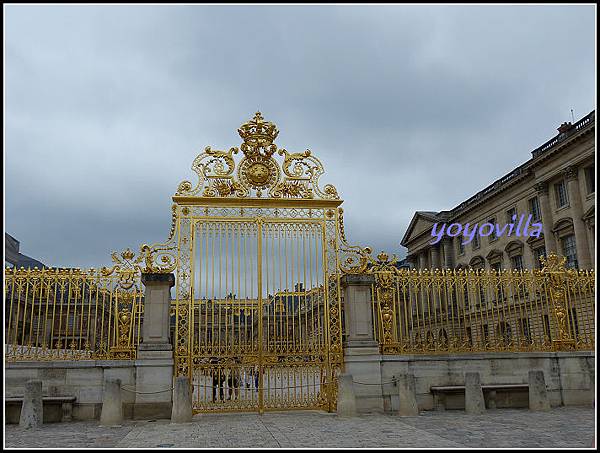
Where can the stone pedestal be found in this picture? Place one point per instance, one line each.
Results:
(364, 364)
(538, 397)
(112, 405)
(154, 364)
(157, 300)
(407, 396)
(182, 401)
(32, 414)
(358, 314)
(474, 402)
(361, 352)
(346, 399)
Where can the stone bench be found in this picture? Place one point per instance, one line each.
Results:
(57, 408)
(495, 395)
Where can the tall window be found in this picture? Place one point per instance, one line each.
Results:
(524, 327)
(509, 214)
(493, 236)
(470, 336)
(481, 294)
(475, 242)
(562, 197)
(485, 334)
(497, 266)
(534, 209)
(590, 180)
(517, 262)
(461, 247)
(504, 332)
(570, 251)
(537, 254)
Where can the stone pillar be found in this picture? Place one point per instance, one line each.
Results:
(474, 402)
(32, 411)
(112, 405)
(182, 401)
(447, 245)
(581, 238)
(157, 297)
(589, 223)
(346, 399)
(425, 263)
(538, 397)
(154, 366)
(543, 195)
(435, 257)
(361, 351)
(407, 396)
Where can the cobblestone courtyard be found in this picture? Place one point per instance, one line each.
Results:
(561, 427)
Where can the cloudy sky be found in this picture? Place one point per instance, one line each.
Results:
(409, 107)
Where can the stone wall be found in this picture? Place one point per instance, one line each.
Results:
(82, 379)
(570, 376)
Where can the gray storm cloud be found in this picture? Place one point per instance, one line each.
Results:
(409, 107)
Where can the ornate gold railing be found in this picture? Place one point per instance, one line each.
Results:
(454, 311)
(73, 314)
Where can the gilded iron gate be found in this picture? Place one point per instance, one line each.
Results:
(256, 244)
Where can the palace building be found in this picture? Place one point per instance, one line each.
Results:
(13, 258)
(556, 187)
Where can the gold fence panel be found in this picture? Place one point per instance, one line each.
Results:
(456, 311)
(72, 314)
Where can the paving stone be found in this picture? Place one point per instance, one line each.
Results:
(561, 427)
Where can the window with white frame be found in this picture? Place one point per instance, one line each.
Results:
(517, 262)
(493, 236)
(525, 331)
(509, 215)
(590, 180)
(562, 197)
(537, 254)
(461, 246)
(534, 209)
(475, 242)
(569, 247)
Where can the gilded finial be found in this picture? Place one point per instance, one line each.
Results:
(258, 134)
(383, 257)
(553, 263)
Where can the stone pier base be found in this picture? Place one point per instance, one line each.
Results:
(32, 412)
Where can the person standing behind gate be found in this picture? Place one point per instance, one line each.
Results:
(218, 380)
(256, 377)
(234, 380)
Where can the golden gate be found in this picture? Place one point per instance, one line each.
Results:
(256, 320)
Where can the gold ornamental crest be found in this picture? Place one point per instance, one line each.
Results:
(258, 173)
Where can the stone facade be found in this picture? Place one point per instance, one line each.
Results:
(557, 185)
(13, 258)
